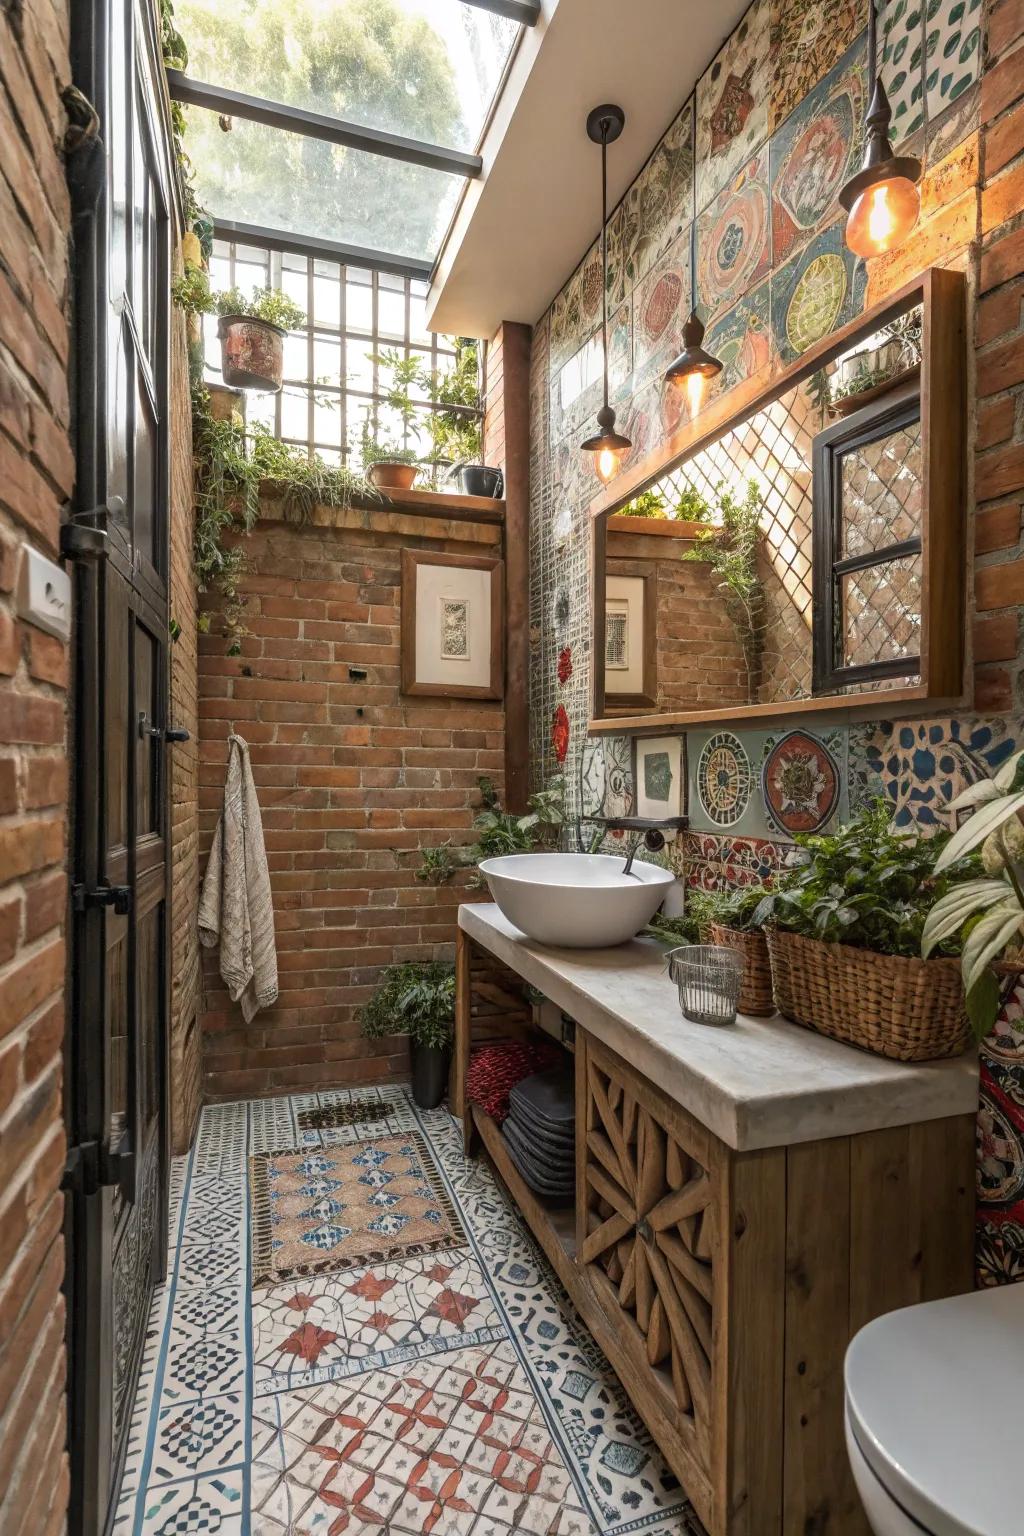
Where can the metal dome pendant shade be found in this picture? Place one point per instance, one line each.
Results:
(604, 125)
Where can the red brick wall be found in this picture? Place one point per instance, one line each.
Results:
(36, 475)
(354, 779)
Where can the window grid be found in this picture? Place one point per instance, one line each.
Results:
(245, 266)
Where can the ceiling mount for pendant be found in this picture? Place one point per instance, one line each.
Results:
(604, 125)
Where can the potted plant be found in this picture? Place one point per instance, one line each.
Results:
(985, 915)
(387, 465)
(731, 921)
(252, 333)
(418, 1001)
(844, 932)
(889, 358)
(452, 424)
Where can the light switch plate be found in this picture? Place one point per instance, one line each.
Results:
(44, 593)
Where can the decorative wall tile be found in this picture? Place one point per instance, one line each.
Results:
(713, 862)
(661, 303)
(741, 338)
(901, 63)
(919, 766)
(815, 292)
(655, 210)
(815, 151)
(807, 37)
(734, 248)
(577, 387)
(801, 782)
(576, 312)
(732, 104)
(722, 783)
(953, 35)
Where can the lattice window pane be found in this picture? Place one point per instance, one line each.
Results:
(882, 485)
(881, 612)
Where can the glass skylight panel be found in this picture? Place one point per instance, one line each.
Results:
(265, 176)
(426, 69)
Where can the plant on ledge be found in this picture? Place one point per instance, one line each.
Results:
(730, 549)
(418, 1001)
(501, 832)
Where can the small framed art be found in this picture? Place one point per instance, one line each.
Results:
(659, 773)
(630, 642)
(452, 625)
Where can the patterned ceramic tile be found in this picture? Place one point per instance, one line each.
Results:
(576, 389)
(1000, 1213)
(920, 765)
(197, 1438)
(661, 303)
(807, 37)
(333, 1326)
(734, 239)
(205, 1354)
(655, 210)
(801, 782)
(815, 292)
(576, 312)
(901, 63)
(815, 151)
(741, 338)
(732, 104)
(202, 1505)
(953, 40)
(713, 862)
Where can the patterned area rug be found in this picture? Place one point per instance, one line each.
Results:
(341, 1206)
(452, 1392)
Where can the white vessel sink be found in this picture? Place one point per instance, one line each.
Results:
(576, 900)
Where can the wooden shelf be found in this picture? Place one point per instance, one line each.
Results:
(553, 1226)
(466, 509)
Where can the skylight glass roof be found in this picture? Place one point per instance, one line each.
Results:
(427, 69)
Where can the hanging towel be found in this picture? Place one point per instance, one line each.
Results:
(235, 909)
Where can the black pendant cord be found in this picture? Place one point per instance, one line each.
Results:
(872, 49)
(604, 255)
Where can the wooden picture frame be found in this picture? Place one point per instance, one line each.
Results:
(417, 680)
(941, 294)
(645, 630)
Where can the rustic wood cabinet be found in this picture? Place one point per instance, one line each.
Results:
(724, 1282)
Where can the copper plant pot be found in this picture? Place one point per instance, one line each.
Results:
(252, 352)
(388, 475)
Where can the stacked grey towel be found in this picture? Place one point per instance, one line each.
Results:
(540, 1133)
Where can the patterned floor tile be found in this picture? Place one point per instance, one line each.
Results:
(332, 1326)
(200, 1437)
(203, 1506)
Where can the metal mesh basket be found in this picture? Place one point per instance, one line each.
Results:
(708, 977)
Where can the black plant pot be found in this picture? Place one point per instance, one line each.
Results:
(480, 480)
(429, 1074)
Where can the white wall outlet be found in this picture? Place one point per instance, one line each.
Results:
(44, 593)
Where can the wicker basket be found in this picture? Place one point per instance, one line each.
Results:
(892, 1005)
(756, 987)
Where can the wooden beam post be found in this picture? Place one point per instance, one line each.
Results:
(515, 402)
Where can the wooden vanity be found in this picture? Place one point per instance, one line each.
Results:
(746, 1199)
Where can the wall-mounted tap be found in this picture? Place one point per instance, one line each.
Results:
(648, 832)
(653, 840)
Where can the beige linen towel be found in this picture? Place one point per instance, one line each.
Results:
(235, 908)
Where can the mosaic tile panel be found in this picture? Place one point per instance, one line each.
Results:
(741, 338)
(734, 239)
(732, 104)
(656, 209)
(815, 292)
(807, 38)
(919, 766)
(661, 302)
(815, 151)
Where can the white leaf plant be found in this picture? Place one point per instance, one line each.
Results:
(988, 912)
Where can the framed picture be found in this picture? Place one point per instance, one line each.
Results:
(659, 773)
(453, 627)
(630, 618)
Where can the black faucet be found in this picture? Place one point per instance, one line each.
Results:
(649, 832)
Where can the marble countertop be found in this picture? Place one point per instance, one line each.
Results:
(756, 1083)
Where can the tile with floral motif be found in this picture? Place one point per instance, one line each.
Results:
(734, 239)
(807, 38)
(732, 104)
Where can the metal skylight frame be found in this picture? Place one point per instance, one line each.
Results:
(335, 130)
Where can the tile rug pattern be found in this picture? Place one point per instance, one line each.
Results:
(453, 1392)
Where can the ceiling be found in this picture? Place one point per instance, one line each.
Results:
(528, 221)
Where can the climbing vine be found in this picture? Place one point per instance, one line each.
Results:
(730, 548)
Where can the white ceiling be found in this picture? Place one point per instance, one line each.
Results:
(528, 221)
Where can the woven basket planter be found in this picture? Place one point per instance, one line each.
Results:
(893, 1005)
(756, 987)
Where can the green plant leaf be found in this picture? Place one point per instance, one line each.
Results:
(983, 1004)
(975, 794)
(988, 938)
(951, 911)
(1011, 775)
(974, 832)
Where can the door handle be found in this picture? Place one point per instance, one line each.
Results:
(84, 897)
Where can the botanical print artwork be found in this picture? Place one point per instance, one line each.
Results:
(901, 63)
(919, 766)
(616, 638)
(741, 338)
(952, 51)
(657, 776)
(341, 1206)
(800, 783)
(807, 37)
(732, 105)
(659, 772)
(815, 292)
(455, 628)
(815, 152)
(723, 779)
(734, 238)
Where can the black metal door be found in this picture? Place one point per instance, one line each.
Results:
(116, 1054)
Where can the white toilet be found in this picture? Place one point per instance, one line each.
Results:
(933, 1398)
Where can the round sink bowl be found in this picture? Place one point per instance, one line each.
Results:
(576, 900)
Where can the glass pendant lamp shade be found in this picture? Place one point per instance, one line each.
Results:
(883, 200)
(604, 124)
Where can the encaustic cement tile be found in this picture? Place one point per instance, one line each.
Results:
(952, 51)
(807, 37)
(734, 238)
(816, 291)
(732, 104)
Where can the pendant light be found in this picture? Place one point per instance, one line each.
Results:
(883, 200)
(694, 366)
(604, 124)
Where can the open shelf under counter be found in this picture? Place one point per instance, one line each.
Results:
(554, 1226)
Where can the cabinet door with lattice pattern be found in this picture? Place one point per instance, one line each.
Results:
(651, 1187)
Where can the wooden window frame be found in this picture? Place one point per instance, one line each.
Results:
(942, 297)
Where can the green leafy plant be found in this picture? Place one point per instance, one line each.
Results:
(648, 504)
(732, 909)
(373, 450)
(692, 507)
(436, 865)
(986, 915)
(453, 428)
(413, 1000)
(500, 832)
(865, 885)
(267, 304)
(730, 549)
(191, 291)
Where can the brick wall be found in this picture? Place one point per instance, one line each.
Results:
(185, 1034)
(353, 779)
(36, 474)
(494, 401)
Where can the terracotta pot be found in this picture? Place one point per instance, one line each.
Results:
(389, 475)
(252, 352)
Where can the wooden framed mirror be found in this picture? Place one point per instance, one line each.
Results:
(812, 555)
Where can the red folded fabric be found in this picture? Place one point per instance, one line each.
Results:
(494, 1071)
